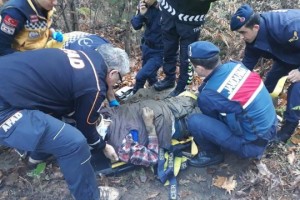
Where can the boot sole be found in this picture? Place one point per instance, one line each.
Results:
(161, 89)
(207, 164)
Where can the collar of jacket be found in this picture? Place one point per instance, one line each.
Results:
(33, 7)
(262, 38)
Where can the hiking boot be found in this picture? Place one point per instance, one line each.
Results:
(286, 131)
(164, 84)
(204, 159)
(109, 193)
(175, 92)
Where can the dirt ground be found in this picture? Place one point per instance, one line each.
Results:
(276, 176)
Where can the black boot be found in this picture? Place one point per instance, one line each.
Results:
(204, 159)
(164, 84)
(286, 131)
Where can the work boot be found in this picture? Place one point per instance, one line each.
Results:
(109, 193)
(204, 159)
(164, 84)
(286, 131)
(175, 92)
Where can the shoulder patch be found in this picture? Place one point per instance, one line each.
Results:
(34, 18)
(9, 21)
(7, 29)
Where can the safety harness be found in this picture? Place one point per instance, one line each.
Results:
(171, 161)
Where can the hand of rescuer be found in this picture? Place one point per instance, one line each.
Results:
(294, 75)
(110, 153)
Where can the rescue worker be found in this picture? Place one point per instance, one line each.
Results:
(39, 87)
(78, 40)
(148, 16)
(274, 35)
(237, 111)
(181, 24)
(25, 25)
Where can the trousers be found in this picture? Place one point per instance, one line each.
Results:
(32, 130)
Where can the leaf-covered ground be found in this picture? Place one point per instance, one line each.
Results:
(276, 176)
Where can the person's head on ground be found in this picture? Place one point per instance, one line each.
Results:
(204, 57)
(46, 4)
(117, 63)
(246, 22)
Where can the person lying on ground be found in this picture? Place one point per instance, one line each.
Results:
(137, 130)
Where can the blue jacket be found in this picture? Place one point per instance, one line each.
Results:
(153, 34)
(238, 97)
(56, 82)
(277, 38)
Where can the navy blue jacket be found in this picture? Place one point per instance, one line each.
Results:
(238, 97)
(153, 33)
(56, 82)
(187, 11)
(277, 38)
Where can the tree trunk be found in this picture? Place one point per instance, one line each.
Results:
(74, 16)
(127, 41)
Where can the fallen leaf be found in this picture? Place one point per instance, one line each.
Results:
(153, 195)
(228, 184)
(219, 181)
(291, 158)
(295, 138)
(263, 169)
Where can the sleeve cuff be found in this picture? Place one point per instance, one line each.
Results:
(99, 145)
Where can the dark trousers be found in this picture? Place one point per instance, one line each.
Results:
(36, 131)
(277, 71)
(212, 135)
(177, 35)
(152, 61)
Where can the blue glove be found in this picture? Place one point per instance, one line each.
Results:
(58, 36)
(114, 103)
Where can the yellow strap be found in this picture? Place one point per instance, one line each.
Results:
(117, 164)
(188, 94)
(194, 148)
(175, 142)
(177, 165)
(279, 87)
